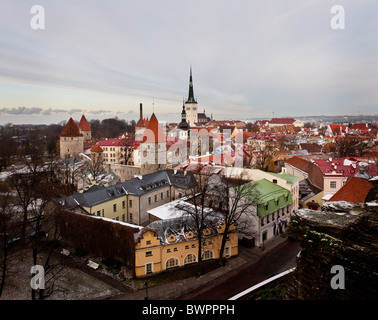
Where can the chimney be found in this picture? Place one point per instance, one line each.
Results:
(141, 111)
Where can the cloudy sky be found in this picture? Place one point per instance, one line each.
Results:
(250, 59)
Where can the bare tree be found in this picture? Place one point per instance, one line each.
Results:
(238, 198)
(265, 151)
(6, 217)
(350, 145)
(197, 210)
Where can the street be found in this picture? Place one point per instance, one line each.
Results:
(279, 259)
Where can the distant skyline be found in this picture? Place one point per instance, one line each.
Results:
(250, 59)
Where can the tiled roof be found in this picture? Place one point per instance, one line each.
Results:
(355, 190)
(96, 148)
(299, 163)
(140, 123)
(154, 132)
(282, 121)
(346, 167)
(115, 142)
(71, 129)
(84, 125)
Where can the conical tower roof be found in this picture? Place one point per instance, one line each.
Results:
(84, 125)
(71, 130)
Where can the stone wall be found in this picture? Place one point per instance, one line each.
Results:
(341, 234)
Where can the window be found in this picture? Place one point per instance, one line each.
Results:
(208, 254)
(148, 242)
(130, 203)
(123, 204)
(227, 252)
(155, 197)
(175, 249)
(149, 268)
(148, 253)
(149, 200)
(168, 250)
(332, 184)
(114, 207)
(167, 193)
(161, 196)
(186, 247)
(262, 221)
(131, 217)
(98, 213)
(124, 218)
(172, 262)
(190, 258)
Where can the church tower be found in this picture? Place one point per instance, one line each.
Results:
(153, 148)
(183, 126)
(191, 104)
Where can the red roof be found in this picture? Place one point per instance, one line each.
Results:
(115, 142)
(71, 129)
(346, 167)
(355, 190)
(140, 123)
(84, 125)
(299, 163)
(359, 126)
(96, 148)
(282, 121)
(154, 132)
(338, 128)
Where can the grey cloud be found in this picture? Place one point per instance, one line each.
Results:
(21, 110)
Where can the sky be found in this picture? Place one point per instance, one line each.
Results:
(250, 59)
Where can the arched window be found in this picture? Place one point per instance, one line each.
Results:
(172, 262)
(208, 254)
(190, 258)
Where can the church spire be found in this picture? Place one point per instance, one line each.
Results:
(191, 92)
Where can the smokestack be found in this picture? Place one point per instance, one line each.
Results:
(141, 112)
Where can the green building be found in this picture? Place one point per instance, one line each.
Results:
(266, 210)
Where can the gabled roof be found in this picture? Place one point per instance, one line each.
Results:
(299, 163)
(71, 130)
(84, 125)
(154, 132)
(355, 190)
(282, 121)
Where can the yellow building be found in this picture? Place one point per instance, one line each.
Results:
(171, 243)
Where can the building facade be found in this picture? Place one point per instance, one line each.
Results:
(172, 243)
(269, 208)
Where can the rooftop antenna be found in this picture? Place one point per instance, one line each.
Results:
(153, 104)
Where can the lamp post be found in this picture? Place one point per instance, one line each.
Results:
(146, 297)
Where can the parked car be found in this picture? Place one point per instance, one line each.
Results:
(11, 243)
(39, 234)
